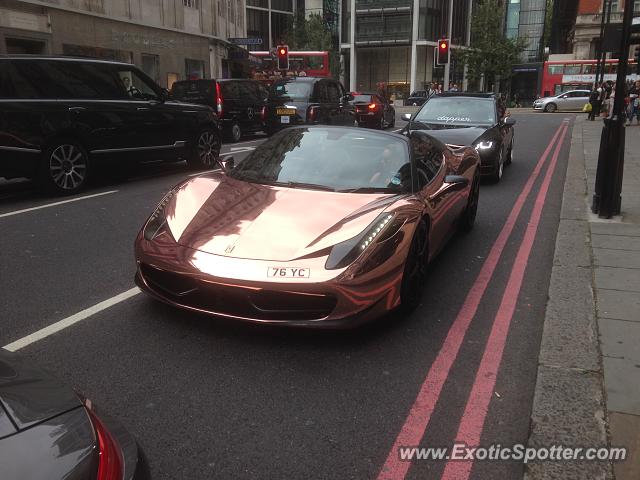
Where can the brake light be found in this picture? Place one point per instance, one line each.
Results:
(218, 100)
(372, 106)
(311, 114)
(110, 462)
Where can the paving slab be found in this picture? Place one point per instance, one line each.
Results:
(620, 339)
(624, 229)
(616, 242)
(625, 429)
(604, 257)
(573, 244)
(622, 383)
(618, 304)
(611, 278)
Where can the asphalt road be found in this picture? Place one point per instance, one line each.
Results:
(213, 399)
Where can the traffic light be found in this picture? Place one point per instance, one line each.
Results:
(443, 51)
(283, 57)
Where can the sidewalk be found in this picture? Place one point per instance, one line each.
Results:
(588, 386)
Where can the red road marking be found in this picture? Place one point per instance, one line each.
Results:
(477, 406)
(416, 423)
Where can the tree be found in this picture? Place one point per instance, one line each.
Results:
(311, 33)
(491, 54)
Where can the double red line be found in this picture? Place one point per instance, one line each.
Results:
(472, 422)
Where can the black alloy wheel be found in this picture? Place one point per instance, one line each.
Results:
(415, 270)
(206, 150)
(65, 167)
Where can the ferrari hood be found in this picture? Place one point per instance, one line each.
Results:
(223, 216)
(455, 135)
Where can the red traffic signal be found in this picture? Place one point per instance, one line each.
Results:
(443, 51)
(283, 57)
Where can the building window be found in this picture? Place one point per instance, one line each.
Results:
(150, 66)
(221, 8)
(230, 9)
(258, 27)
(258, 3)
(190, 3)
(194, 69)
(284, 5)
(280, 26)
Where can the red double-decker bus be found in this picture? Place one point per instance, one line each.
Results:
(562, 76)
(310, 64)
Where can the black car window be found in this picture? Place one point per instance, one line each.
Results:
(290, 90)
(246, 91)
(7, 89)
(193, 90)
(137, 85)
(333, 92)
(30, 80)
(320, 92)
(428, 158)
(230, 89)
(86, 81)
(263, 93)
(332, 158)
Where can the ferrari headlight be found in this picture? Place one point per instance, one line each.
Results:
(343, 254)
(158, 219)
(483, 145)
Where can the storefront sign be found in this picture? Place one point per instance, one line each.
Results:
(246, 41)
(143, 40)
(24, 21)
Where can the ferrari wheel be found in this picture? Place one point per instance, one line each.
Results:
(206, 150)
(468, 217)
(497, 175)
(415, 270)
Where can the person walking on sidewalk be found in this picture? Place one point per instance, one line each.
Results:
(634, 103)
(594, 100)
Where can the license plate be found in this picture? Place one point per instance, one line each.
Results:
(285, 111)
(284, 119)
(287, 272)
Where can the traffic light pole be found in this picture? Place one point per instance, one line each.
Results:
(607, 198)
(447, 66)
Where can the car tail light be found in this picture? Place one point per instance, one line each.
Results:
(372, 106)
(311, 114)
(110, 462)
(218, 100)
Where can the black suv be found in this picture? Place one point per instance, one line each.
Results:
(239, 103)
(308, 101)
(61, 117)
(417, 98)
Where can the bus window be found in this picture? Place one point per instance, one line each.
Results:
(315, 62)
(572, 69)
(588, 68)
(556, 69)
(613, 68)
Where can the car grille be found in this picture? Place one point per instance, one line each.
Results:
(259, 304)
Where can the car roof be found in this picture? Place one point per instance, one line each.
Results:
(468, 94)
(63, 58)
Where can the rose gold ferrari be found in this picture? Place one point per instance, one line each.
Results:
(318, 227)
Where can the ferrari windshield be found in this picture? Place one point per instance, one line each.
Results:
(336, 159)
(458, 111)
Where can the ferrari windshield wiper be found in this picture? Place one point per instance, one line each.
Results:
(313, 186)
(369, 190)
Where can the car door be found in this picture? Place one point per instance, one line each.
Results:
(563, 102)
(160, 126)
(431, 170)
(579, 99)
(334, 104)
(98, 111)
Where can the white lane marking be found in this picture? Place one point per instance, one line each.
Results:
(77, 199)
(237, 150)
(73, 319)
(397, 130)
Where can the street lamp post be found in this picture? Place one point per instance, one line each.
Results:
(607, 197)
(447, 66)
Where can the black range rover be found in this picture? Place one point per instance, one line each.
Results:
(62, 117)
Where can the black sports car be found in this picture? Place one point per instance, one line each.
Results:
(469, 119)
(47, 432)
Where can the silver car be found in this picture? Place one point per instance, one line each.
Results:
(573, 100)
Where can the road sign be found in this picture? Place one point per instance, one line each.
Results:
(246, 41)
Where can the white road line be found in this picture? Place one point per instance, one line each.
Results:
(73, 319)
(77, 199)
(397, 130)
(237, 150)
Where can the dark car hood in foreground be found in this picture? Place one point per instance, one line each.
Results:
(453, 134)
(28, 395)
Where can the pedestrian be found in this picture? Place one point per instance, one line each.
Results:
(633, 109)
(454, 88)
(594, 100)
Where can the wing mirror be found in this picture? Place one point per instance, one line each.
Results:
(509, 121)
(406, 117)
(227, 164)
(451, 182)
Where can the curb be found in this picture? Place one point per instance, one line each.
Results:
(569, 405)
